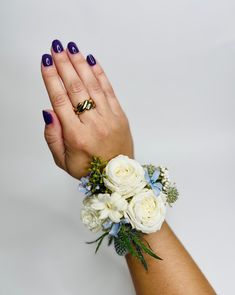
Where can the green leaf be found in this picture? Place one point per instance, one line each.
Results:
(92, 242)
(145, 249)
(141, 257)
(110, 240)
(100, 241)
(147, 243)
(125, 241)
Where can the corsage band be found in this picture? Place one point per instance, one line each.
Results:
(125, 200)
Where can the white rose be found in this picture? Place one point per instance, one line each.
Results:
(124, 176)
(146, 212)
(89, 216)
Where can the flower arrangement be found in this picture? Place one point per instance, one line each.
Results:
(125, 200)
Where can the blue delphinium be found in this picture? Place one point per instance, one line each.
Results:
(84, 186)
(152, 181)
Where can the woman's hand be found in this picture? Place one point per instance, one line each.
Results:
(103, 131)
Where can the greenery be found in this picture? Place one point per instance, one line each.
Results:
(150, 168)
(99, 241)
(171, 191)
(172, 195)
(128, 241)
(96, 177)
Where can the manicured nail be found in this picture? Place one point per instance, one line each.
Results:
(91, 60)
(57, 46)
(47, 117)
(72, 47)
(47, 60)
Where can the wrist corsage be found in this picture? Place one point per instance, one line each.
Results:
(126, 200)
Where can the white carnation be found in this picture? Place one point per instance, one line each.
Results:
(112, 206)
(146, 212)
(89, 216)
(124, 176)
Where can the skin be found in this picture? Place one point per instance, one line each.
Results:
(176, 274)
(104, 131)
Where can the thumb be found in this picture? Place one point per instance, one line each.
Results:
(54, 138)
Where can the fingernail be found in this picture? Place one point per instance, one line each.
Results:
(47, 117)
(91, 60)
(72, 47)
(47, 60)
(57, 46)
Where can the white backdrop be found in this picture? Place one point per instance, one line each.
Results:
(174, 61)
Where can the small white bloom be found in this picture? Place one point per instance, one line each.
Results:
(164, 174)
(124, 176)
(89, 216)
(112, 206)
(146, 212)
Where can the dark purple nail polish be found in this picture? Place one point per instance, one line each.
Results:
(47, 60)
(47, 117)
(91, 60)
(57, 46)
(72, 47)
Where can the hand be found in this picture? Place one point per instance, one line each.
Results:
(103, 131)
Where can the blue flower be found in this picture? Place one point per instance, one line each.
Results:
(152, 181)
(107, 224)
(83, 186)
(114, 227)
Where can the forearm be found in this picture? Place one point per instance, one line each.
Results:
(74, 135)
(176, 274)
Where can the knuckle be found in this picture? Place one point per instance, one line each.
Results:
(99, 72)
(62, 58)
(49, 72)
(95, 87)
(59, 100)
(58, 163)
(81, 144)
(110, 92)
(79, 59)
(77, 143)
(50, 137)
(75, 87)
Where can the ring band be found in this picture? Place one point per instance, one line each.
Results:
(87, 104)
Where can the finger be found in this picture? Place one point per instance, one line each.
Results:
(57, 93)
(54, 138)
(73, 84)
(107, 88)
(92, 85)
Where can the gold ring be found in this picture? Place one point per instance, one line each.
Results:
(81, 107)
